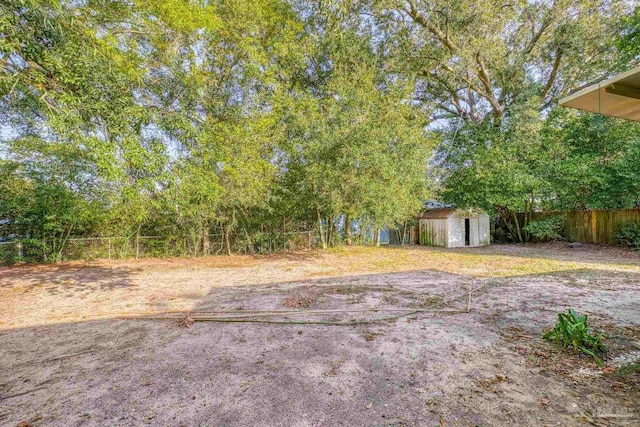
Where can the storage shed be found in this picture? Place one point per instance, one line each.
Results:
(454, 228)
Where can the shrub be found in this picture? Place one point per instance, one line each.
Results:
(33, 251)
(8, 254)
(629, 235)
(546, 229)
(572, 331)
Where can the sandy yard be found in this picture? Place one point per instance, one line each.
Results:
(77, 347)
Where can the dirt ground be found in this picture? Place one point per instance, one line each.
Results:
(77, 347)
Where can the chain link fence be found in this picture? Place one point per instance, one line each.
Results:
(118, 247)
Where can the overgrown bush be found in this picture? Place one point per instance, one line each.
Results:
(572, 331)
(546, 229)
(629, 235)
(25, 250)
(33, 251)
(8, 254)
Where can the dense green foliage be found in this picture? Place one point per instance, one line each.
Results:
(628, 234)
(572, 331)
(546, 229)
(186, 118)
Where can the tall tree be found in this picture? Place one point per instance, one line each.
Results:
(475, 59)
(358, 140)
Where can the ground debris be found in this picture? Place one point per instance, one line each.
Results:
(302, 298)
(257, 316)
(186, 321)
(490, 383)
(370, 336)
(544, 402)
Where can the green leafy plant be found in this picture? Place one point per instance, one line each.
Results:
(572, 331)
(8, 254)
(33, 250)
(546, 229)
(629, 235)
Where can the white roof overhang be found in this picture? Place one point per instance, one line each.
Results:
(616, 97)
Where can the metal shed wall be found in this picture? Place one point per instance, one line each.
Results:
(433, 232)
(478, 230)
(446, 228)
(484, 230)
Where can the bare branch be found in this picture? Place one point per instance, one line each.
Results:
(419, 19)
(552, 76)
(483, 75)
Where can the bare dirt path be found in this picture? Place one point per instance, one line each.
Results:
(68, 358)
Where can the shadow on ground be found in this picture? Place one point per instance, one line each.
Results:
(425, 369)
(67, 279)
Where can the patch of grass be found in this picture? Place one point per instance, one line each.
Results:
(500, 261)
(339, 250)
(427, 301)
(572, 331)
(390, 299)
(628, 369)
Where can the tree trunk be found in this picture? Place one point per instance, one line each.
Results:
(138, 241)
(196, 240)
(404, 232)
(249, 241)
(529, 217)
(62, 244)
(515, 219)
(347, 229)
(227, 243)
(44, 245)
(377, 237)
(206, 245)
(323, 242)
(504, 215)
(329, 229)
(526, 222)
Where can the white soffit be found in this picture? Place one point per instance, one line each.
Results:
(616, 97)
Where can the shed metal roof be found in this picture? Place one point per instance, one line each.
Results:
(437, 213)
(616, 97)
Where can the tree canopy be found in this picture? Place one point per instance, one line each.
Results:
(190, 118)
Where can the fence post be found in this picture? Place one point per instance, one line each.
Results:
(309, 232)
(137, 245)
(20, 254)
(594, 225)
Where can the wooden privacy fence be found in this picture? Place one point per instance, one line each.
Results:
(593, 226)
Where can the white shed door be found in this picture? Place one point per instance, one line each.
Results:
(474, 232)
(456, 232)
